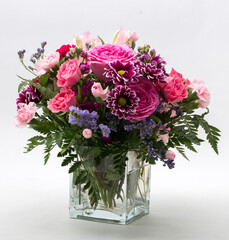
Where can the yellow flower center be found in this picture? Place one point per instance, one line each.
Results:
(122, 101)
(121, 72)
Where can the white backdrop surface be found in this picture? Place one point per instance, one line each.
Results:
(189, 202)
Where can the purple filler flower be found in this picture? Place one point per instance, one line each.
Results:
(105, 130)
(123, 101)
(83, 118)
(120, 73)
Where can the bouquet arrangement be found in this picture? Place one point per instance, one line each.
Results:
(94, 99)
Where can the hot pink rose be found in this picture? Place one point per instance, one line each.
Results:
(98, 91)
(149, 98)
(87, 133)
(175, 90)
(100, 56)
(62, 101)
(202, 93)
(69, 73)
(47, 63)
(170, 155)
(25, 114)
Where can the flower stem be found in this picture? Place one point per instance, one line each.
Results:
(99, 187)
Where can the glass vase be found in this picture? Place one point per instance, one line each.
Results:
(114, 197)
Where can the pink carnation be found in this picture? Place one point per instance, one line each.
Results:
(87, 133)
(69, 73)
(175, 90)
(99, 57)
(202, 93)
(47, 63)
(25, 114)
(98, 91)
(62, 101)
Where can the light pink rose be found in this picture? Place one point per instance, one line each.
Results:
(125, 37)
(98, 91)
(87, 133)
(86, 40)
(175, 88)
(69, 73)
(170, 155)
(25, 114)
(62, 101)
(99, 57)
(202, 93)
(47, 63)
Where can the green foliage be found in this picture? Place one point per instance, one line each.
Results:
(212, 132)
(43, 80)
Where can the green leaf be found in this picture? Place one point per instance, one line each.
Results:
(101, 40)
(68, 160)
(212, 133)
(182, 152)
(43, 79)
(58, 136)
(75, 166)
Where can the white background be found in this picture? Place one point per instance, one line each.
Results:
(189, 202)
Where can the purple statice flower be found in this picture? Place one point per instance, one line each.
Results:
(113, 121)
(146, 127)
(83, 118)
(170, 163)
(28, 94)
(105, 130)
(121, 73)
(122, 101)
(21, 53)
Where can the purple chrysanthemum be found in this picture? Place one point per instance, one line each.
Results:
(122, 101)
(152, 66)
(120, 73)
(151, 71)
(28, 94)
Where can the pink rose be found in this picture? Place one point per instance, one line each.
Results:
(69, 73)
(99, 57)
(86, 40)
(62, 101)
(202, 93)
(87, 133)
(170, 155)
(125, 37)
(25, 114)
(175, 90)
(149, 98)
(47, 63)
(98, 91)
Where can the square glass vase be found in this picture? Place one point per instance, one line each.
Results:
(110, 197)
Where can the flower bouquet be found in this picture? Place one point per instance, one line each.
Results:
(113, 112)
